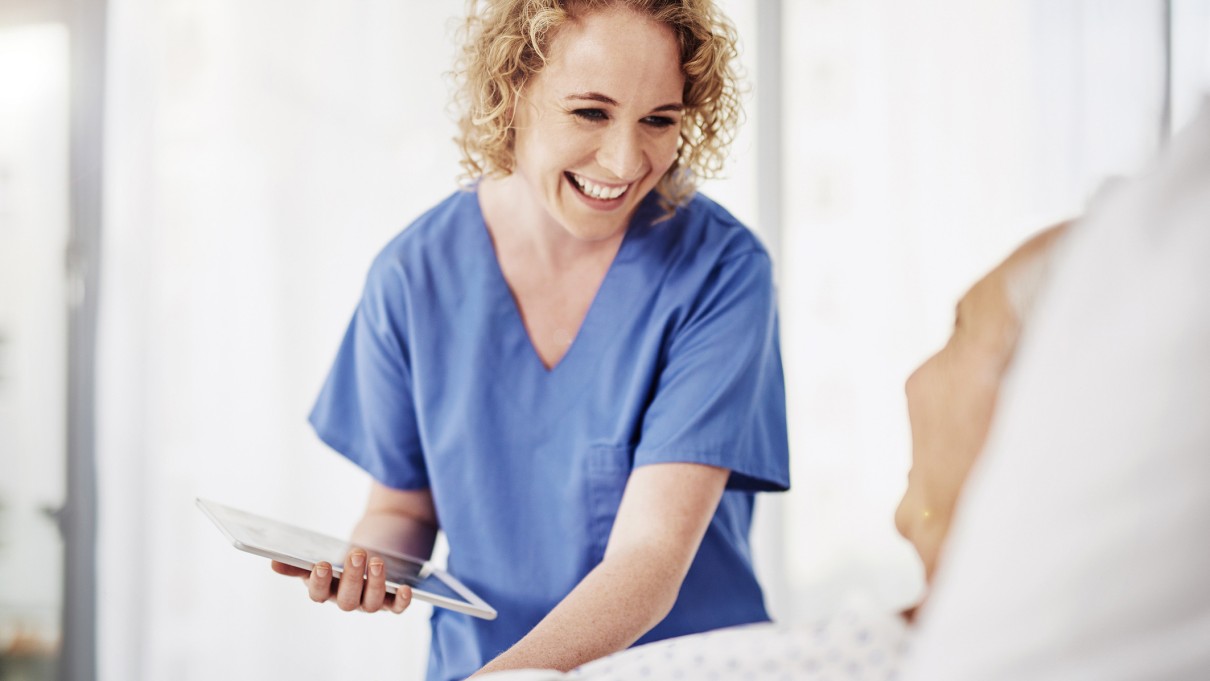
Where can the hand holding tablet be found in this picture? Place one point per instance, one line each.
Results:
(297, 551)
(362, 587)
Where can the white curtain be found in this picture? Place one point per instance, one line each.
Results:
(34, 186)
(261, 152)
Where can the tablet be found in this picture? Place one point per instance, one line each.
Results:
(303, 548)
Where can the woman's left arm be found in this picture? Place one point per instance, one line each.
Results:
(664, 513)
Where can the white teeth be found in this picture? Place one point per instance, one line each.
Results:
(599, 191)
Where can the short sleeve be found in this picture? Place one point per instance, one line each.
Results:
(366, 410)
(720, 395)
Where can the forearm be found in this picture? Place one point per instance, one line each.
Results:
(664, 513)
(612, 607)
(399, 521)
(396, 533)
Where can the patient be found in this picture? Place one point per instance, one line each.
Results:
(951, 400)
(1080, 548)
(952, 396)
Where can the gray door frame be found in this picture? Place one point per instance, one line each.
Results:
(78, 518)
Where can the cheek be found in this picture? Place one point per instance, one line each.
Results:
(665, 153)
(939, 417)
(544, 147)
(660, 150)
(950, 405)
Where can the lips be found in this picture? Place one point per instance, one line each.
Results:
(596, 190)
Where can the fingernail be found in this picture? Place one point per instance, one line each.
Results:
(358, 559)
(376, 567)
(321, 571)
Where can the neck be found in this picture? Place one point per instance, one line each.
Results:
(518, 225)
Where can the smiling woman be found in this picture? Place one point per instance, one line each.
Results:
(570, 369)
(587, 157)
(506, 44)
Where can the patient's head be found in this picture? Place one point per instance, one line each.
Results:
(952, 396)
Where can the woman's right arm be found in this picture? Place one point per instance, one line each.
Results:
(402, 521)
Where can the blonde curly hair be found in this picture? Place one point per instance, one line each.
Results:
(504, 44)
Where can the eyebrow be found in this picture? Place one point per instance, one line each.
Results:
(606, 99)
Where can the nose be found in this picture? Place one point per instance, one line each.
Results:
(621, 152)
(917, 382)
(909, 386)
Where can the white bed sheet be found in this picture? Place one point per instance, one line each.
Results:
(859, 643)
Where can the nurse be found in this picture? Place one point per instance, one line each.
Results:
(571, 367)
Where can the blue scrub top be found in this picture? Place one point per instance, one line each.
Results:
(436, 385)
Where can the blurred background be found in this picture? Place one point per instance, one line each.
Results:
(191, 192)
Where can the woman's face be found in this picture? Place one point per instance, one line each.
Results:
(597, 128)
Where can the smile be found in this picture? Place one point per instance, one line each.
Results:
(597, 191)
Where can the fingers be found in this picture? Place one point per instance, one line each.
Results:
(376, 586)
(362, 584)
(352, 581)
(319, 582)
(376, 598)
(289, 570)
(401, 600)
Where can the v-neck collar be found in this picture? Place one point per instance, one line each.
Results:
(605, 304)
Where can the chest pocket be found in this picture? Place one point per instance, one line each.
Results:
(608, 470)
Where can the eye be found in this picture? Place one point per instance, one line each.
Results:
(659, 121)
(591, 114)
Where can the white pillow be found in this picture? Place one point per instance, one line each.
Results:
(1081, 546)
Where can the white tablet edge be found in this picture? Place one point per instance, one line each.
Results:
(474, 605)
